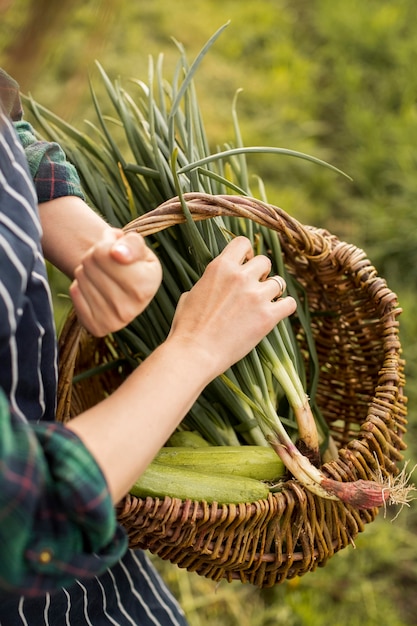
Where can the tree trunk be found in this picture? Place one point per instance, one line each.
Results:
(44, 22)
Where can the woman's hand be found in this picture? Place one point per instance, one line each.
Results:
(231, 308)
(114, 282)
(115, 275)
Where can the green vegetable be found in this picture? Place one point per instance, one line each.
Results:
(186, 439)
(160, 480)
(258, 462)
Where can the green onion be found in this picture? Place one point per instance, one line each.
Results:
(263, 399)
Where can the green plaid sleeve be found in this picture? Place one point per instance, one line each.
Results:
(57, 518)
(54, 176)
(52, 173)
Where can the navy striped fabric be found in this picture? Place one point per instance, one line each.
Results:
(25, 292)
(130, 592)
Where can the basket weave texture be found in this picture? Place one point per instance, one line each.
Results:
(360, 393)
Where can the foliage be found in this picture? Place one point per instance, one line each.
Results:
(333, 79)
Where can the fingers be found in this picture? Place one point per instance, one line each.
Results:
(239, 249)
(122, 247)
(239, 255)
(285, 306)
(128, 248)
(88, 314)
(115, 281)
(276, 286)
(114, 249)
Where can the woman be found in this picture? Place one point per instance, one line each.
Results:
(63, 558)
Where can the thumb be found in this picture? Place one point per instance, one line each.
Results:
(128, 248)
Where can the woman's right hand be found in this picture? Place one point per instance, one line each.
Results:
(231, 308)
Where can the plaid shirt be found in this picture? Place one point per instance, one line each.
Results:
(57, 521)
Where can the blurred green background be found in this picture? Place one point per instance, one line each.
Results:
(331, 78)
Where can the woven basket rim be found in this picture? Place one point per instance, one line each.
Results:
(376, 446)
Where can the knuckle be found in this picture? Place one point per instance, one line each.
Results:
(267, 261)
(78, 271)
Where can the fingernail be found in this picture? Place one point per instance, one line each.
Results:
(123, 250)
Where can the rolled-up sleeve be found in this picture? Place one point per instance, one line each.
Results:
(54, 176)
(57, 520)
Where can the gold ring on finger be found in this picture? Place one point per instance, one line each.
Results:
(281, 284)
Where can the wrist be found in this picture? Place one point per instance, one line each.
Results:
(195, 357)
(69, 228)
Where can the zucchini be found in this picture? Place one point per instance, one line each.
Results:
(160, 480)
(187, 439)
(258, 462)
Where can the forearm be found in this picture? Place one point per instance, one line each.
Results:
(125, 431)
(70, 229)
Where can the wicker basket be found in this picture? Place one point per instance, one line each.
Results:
(360, 394)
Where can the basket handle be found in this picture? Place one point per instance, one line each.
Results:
(311, 242)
